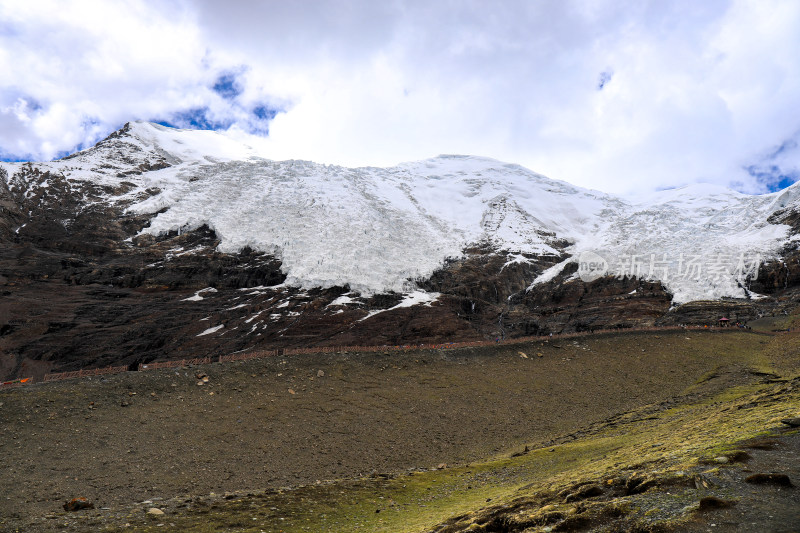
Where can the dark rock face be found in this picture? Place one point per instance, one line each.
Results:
(777, 276)
(495, 297)
(604, 303)
(80, 288)
(11, 216)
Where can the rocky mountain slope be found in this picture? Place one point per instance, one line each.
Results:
(160, 243)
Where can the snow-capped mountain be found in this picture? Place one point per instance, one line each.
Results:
(380, 229)
(159, 242)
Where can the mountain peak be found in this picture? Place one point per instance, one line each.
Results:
(376, 229)
(138, 142)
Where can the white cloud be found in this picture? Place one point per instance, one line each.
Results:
(699, 89)
(89, 66)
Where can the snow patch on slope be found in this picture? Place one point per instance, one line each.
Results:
(409, 300)
(197, 297)
(211, 330)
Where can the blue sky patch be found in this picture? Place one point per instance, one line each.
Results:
(263, 112)
(197, 118)
(8, 158)
(772, 176)
(772, 170)
(227, 86)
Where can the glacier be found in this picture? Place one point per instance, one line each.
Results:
(381, 229)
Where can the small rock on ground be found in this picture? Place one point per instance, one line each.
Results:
(78, 504)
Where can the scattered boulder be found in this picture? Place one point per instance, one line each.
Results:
(762, 444)
(710, 503)
(792, 422)
(320, 373)
(735, 456)
(781, 480)
(78, 504)
(523, 452)
(738, 456)
(703, 482)
(588, 491)
(155, 511)
(637, 484)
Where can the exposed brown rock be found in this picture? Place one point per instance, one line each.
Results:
(78, 504)
(781, 480)
(792, 422)
(712, 502)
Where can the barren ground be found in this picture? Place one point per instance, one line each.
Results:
(286, 422)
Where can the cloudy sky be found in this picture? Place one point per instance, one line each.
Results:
(614, 95)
